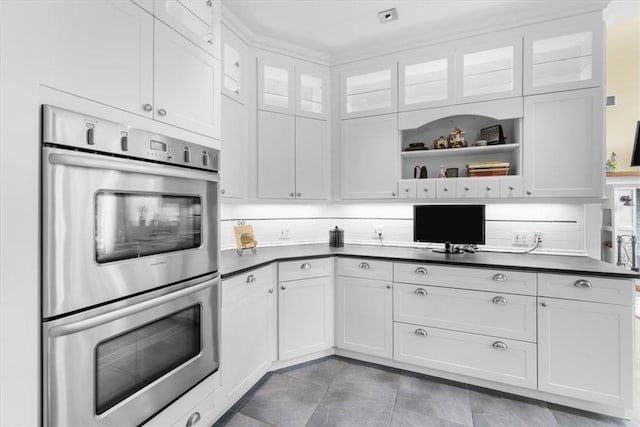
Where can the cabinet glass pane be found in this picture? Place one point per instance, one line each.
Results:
(562, 47)
(369, 82)
(231, 63)
(494, 82)
(488, 61)
(425, 92)
(426, 81)
(276, 86)
(369, 101)
(231, 85)
(311, 93)
(557, 72)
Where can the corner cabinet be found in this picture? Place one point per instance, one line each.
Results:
(564, 144)
(370, 159)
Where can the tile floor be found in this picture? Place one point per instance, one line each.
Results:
(343, 392)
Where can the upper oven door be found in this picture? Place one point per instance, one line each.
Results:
(115, 227)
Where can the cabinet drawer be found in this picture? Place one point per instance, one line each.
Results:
(304, 269)
(584, 288)
(242, 285)
(201, 412)
(494, 359)
(487, 313)
(365, 268)
(504, 281)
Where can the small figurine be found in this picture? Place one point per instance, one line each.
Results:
(440, 143)
(456, 138)
(612, 163)
(441, 174)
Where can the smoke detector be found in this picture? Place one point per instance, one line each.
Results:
(388, 15)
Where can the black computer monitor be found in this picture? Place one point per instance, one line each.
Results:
(635, 160)
(449, 224)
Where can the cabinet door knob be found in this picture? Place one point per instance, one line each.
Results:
(499, 300)
(421, 270)
(420, 332)
(147, 107)
(162, 112)
(499, 345)
(393, 194)
(305, 266)
(251, 278)
(283, 287)
(298, 194)
(426, 189)
(223, 191)
(193, 419)
(291, 194)
(364, 266)
(488, 188)
(209, 3)
(270, 291)
(544, 304)
(511, 187)
(236, 64)
(406, 190)
(466, 188)
(237, 91)
(446, 189)
(583, 284)
(529, 192)
(388, 286)
(499, 277)
(420, 291)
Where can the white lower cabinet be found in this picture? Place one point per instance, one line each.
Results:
(305, 310)
(248, 324)
(585, 350)
(364, 315)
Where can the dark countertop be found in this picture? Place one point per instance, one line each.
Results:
(233, 264)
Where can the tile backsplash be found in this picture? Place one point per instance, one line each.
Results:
(562, 225)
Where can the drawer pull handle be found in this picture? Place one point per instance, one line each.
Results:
(499, 300)
(193, 419)
(270, 291)
(420, 291)
(500, 277)
(544, 304)
(283, 287)
(421, 332)
(583, 284)
(251, 278)
(305, 266)
(499, 345)
(364, 266)
(421, 270)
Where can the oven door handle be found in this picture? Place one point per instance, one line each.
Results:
(89, 161)
(92, 322)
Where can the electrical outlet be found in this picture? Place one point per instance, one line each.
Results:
(526, 238)
(537, 236)
(377, 232)
(284, 234)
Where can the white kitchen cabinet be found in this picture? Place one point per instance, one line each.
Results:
(276, 84)
(248, 325)
(488, 188)
(305, 322)
(186, 84)
(312, 91)
(369, 89)
(489, 70)
(427, 81)
(426, 189)
(446, 188)
(467, 189)
(563, 144)
(511, 187)
(196, 20)
(564, 55)
(407, 189)
(99, 50)
(585, 350)
(234, 63)
(234, 147)
(370, 158)
(364, 318)
(292, 157)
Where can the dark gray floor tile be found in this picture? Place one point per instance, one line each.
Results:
(342, 408)
(368, 382)
(407, 418)
(434, 399)
(240, 420)
(569, 417)
(321, 373)
(284, 401)
(491, 409)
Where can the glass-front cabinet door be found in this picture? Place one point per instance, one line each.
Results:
(489, 71)
(312, 91)
(233, 65)
(275, 85)
(369, 92)
(566, 57)
(427, 82)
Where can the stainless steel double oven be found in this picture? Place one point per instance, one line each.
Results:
(130, 258)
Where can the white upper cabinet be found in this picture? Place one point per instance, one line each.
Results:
(187, 84)
(234, 60)
(276, 156)
(312, 159)
(234, 147)
(564, 56)
(428, 81)
(563, 149)
(276, 85)
(312, 91)
(489, 71)
(196, 20)
(74, 51)
(369, 90)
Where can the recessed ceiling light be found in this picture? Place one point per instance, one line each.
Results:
(388, 15)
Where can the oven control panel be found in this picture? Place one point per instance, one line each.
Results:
(80, 131)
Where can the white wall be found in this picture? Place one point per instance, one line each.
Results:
(562, 225)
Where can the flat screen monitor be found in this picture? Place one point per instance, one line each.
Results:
(449, 224)
(635, 160)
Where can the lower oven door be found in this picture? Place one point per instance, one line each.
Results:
(120, 367)
(115, 227)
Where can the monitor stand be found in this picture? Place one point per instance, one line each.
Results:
(449, 249)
